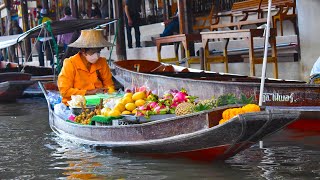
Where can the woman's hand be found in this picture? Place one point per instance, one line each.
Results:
(96, 91)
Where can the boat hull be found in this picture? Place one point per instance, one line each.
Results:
(189, 136)
(197, 136)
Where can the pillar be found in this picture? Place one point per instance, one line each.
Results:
(308, 15)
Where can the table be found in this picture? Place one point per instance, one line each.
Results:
(243, 33)
(184, 39)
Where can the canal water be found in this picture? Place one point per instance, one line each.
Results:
(30, 150)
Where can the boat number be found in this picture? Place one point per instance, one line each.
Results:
(267, 97)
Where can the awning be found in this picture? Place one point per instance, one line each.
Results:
(7, 41)
(58, 27)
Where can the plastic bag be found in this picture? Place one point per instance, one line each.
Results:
(62, 110)
(54, 98)
(76, 101)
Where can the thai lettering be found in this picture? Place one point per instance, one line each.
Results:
(267, 97)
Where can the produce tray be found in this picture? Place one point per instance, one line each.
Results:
(95, 99)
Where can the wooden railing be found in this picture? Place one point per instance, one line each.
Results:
(203, 7)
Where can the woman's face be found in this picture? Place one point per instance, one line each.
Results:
(92, 55)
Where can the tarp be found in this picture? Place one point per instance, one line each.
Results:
(58, 27)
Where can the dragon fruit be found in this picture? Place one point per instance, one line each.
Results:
(161, 109)
(152, 105)
(168, 96)
(152, 97)
(180, 97)
(142, 88)
(174, 104)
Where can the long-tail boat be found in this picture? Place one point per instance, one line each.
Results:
(197, 136)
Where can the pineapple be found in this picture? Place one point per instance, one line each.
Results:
(184, 108)
(205, 104)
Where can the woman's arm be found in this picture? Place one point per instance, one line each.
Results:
(66, 81)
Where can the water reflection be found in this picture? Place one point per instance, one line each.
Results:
(278, 162)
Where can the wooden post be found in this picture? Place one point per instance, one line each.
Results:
(74, 8)
(26, 27)
(57, 10)
(181, 16)
(8, 19)
(7, 3)
(188, 18)
(121, 45)
(45, 5)
(81, 6)
(89, 8)
(201, 54)
(165, 10)
(144, 12)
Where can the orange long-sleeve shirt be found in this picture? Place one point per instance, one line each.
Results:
(76, 79)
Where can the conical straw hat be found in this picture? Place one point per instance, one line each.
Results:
(92, 38)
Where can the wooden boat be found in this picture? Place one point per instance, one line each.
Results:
(278, 94)
(33, 70)
(162, 77)
(13, 84)
(196, 136)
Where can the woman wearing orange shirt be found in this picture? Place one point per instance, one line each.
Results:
(86, 73)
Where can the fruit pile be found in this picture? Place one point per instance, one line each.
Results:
(166, 104)
(232, 112)
(86, 115)
(128, 103)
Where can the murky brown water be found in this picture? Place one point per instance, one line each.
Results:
(29, 150)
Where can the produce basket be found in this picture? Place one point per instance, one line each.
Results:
(78, 110)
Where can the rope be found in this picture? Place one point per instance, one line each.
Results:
(55, 45)
(113, 43)
(243, 129)
(259, 131)
(33, 47)
(251, 137)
